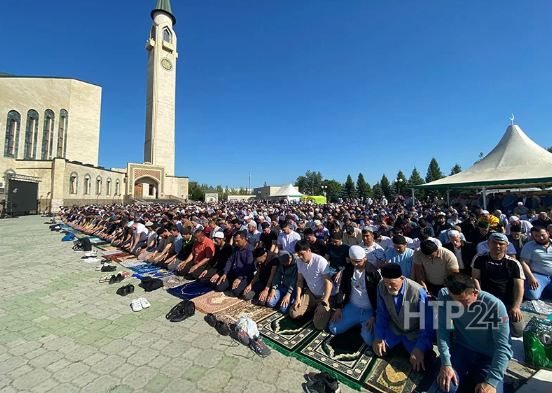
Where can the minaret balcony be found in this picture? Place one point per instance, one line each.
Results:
(168, 46)
(150, 44)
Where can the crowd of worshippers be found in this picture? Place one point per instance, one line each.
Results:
(402, 272)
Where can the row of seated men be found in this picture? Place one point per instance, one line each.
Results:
(392, 309)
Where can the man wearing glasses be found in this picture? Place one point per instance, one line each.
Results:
(502, 276)
(481, 338)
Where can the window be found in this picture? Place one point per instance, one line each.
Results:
(13, 124)
(99, 185)
(117, 187)
(108, 187)
(47, 141)
(87, 185)
(167, 35)
(62, 134)
(31, 134)
(73, 183)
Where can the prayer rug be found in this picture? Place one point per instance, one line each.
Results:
(161, 273)
(190, 291)
(111, 252)
(132, 263)
(213, 302)
(234, 312)
(344, 355)
(126, 257)
(174, 281)
(285, 334)
(95, 240)
(144, 269)
(537, 307)
(394, 374)
(108, 248)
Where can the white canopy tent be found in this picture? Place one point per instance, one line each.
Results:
(516, 161)
(287, 191)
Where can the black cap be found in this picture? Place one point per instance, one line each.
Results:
(398, 239)
(391, 271)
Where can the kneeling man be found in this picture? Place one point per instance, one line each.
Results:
(357, 298)
(481, 338)
(404, 317)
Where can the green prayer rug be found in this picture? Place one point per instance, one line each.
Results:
(394, 374)
(344, 355)
(285, 334)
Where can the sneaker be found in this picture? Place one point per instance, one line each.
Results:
(329, 381)
(136, 305)
(144, 302)
(91, 254)
(316, 387)
(259, 347)
(92, 260)
(239, 335)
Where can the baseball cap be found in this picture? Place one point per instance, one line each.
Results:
(499, 237)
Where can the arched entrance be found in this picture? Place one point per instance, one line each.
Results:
(146, 187)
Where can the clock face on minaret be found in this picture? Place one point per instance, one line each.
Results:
(166, 64)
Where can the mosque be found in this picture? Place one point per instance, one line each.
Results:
(52, 136)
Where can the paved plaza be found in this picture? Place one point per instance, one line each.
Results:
(62, 331)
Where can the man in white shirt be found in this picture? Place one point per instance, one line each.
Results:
(375, 254)
(139, 236)
(287, 239)
(253, 235)
(357, 299)
(313, 270)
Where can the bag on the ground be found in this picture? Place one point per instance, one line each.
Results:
(151, 284)
(537, 342)
(83, 245)
(248, 326)
(68, 237)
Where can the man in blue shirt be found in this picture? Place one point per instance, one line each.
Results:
(401, 255)
(481, 338)
(536, 260)
(405, 317)
(240, 267)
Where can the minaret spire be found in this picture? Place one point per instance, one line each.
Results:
(164, 6)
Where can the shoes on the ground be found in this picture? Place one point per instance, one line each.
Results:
(259, 347)
(108, 268)
(136, 305)
(92, 260)
(116, 278)
(211, 319)
(181, 311)
(239, 335)
(105, 279)
(126, 290)
(222, 328)
(328, 383)
(144, 302)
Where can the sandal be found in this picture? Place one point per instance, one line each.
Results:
(104, 279)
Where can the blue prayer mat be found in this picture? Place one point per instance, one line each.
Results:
(190, 290)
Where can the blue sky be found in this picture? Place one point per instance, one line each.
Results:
(276, 87)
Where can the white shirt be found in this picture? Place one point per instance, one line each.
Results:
(312, 273)
(142, 231)
(374, 253)
(386, 243)
(359, 295)
(253, 238)
(288, 241)
(416, 243)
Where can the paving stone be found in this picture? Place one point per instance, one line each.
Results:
(74, 370)
(67, 388)
(24, 348)
(12, 364)
(214, 382)
(290, 380)
(140, 377)
(80, 354)
(85, 379)
(157, 383)
(94, 359)
(102, 384)
(122, 389)
(46, 359)
(143, 357)
(268, 375)
(107, 365)
(160, 361)
(60, 364)
(123, 370)
(194, 373)
(26, 382)
(208, 358)
(180, 385)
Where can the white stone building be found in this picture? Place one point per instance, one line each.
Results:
(52, 133)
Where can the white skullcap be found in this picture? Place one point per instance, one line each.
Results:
(484, 212)
(356, 252)
(514, 218)
(252, 224)
(453, 232)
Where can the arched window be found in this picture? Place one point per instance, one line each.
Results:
(73, 183)
(62, 134)
(98, 185)
(31, 134)
(13, 124)
(117, 187)
(87, 184)
(167, 35)
(108, 186)
(47, 136)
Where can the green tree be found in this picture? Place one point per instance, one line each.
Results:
(349, 188)
(550, 149)
(363, 188)
(378, 193)
(455, 169)
(310, 183)
(433, 171)
(333, 189)
(196, 191)
(385, 186)
(416, 180)
(220, 192)
(242, 191)
(401, 183)
(264, 185)
(226, 192)
(480, 157)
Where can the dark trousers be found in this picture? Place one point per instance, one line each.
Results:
(256, 289)
(433, 289)
(229, 281)
(206, 279)
(186, 271)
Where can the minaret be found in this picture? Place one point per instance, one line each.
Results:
(159, 148)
